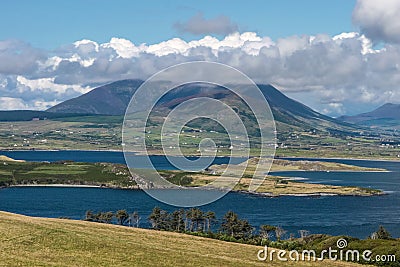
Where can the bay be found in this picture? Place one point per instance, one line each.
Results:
(336, 215)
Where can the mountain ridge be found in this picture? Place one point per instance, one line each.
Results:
(113, 98)
(109, 99)
(387, 115)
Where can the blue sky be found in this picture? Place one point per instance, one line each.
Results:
(338, 57)
(50, 24)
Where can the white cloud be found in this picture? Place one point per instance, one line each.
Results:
(87, 45)
(124, 48)
(289, 45)
(173, 46)
(40, 104)
(379, 20)
(340, 69)
(11, 103)
(48, 84)
(18, 92)
(17, 57)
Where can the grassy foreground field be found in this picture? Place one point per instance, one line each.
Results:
(29, 241)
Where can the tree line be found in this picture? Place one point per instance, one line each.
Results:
(122, 217)
(205, 223)
(198, 222)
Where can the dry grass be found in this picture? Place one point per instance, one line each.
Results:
(287, 165)
(278, 186)
(29, 241)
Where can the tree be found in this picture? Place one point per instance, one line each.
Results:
(176, 220)
(104, 217)
(210, 217)
(236, 227)
(266, 231)
(135, 218)
(186, 214)
(189, 220)
(229, 223)
(89, 216)
(382, 233)
(154, 217)
(122, 217)
(108, 216)
(159, 219)
(197, 218)
(279, 232)
(245, 229)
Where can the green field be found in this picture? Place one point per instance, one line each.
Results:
(28, 241)
(104, 133)
(72, 173)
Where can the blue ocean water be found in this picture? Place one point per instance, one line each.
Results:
(336, 215)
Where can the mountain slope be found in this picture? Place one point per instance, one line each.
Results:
(386, 115)
(289, 111)
(110, 99)
(113, 98)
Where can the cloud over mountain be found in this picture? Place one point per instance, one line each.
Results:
(335, 70)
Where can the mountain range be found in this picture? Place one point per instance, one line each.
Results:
(387, 115)
(113, 98)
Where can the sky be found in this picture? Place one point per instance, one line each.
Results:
(338, 57)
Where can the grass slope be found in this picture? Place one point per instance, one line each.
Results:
(29, 241)
(72, 173)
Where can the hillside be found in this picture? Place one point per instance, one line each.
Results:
(113, 98)
(110, 99)
(29, 241)
(385, 115)
(301, 131)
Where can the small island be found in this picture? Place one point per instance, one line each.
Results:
(111, 175)
(274, 186)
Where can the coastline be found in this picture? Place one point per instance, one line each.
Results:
(361, 159)
(56, 185)
(269, 190)
(259, 194)
(218, 156)
(378, 171)
(316, 194)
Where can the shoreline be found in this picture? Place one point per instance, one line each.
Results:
(160, 154)
(378, 171)
(56, 185)
(258, 194)
(316, 194)
(268, 191)
(360, 159)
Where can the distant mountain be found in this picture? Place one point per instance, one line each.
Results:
(385, 116)
(110, 99)
(113, 98)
